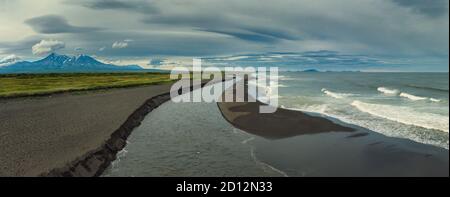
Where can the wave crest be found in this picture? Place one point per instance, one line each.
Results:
(405, 115)
(418, 98)
(336, 94)
(412, 97)
(387, 90)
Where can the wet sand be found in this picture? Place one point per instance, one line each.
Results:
(44, 133)
(302, 144)
(281, 124)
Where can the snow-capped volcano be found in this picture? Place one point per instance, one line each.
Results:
(63, 63)
(8, 60)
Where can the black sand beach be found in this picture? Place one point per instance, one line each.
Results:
(73, 134)
(44, 133)
(296, 141)
(281, 124)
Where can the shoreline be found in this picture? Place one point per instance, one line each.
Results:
(301, 144)
(94, 163)
(72, 134)
(283, 123)
(279, 124)
(55, 135)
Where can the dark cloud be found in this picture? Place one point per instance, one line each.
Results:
(54, 24)
(222, 23)
(132, 5)
(276, 33)
(364, 27)
(433, 8)
(19, 47)
(197, 18)
(246, 36)
(253, 34)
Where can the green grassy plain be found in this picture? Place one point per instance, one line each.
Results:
(17, 85)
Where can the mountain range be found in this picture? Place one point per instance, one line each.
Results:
(63, 63)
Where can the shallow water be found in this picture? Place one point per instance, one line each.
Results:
(188, 139)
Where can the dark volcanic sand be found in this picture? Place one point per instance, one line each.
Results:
(301, 144)
(281, 124)
(43, 133)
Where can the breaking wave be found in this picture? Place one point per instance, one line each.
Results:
(336, 94)
(412, 97)
(417, 98)
(405, 115)
(387, 91)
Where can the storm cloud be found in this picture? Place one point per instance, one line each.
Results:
(369, 26)
(433, 8)
(203, 28)
(131, 5)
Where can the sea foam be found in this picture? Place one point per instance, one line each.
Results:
(405, 115)
(412, 97)
(435, 100)
(387, 91)
(418, 98)
(336, 94)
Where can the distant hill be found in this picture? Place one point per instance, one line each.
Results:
(311, 71)
(63, 63)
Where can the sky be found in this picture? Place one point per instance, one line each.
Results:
(367, 35)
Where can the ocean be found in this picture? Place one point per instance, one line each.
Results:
(414, 106)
